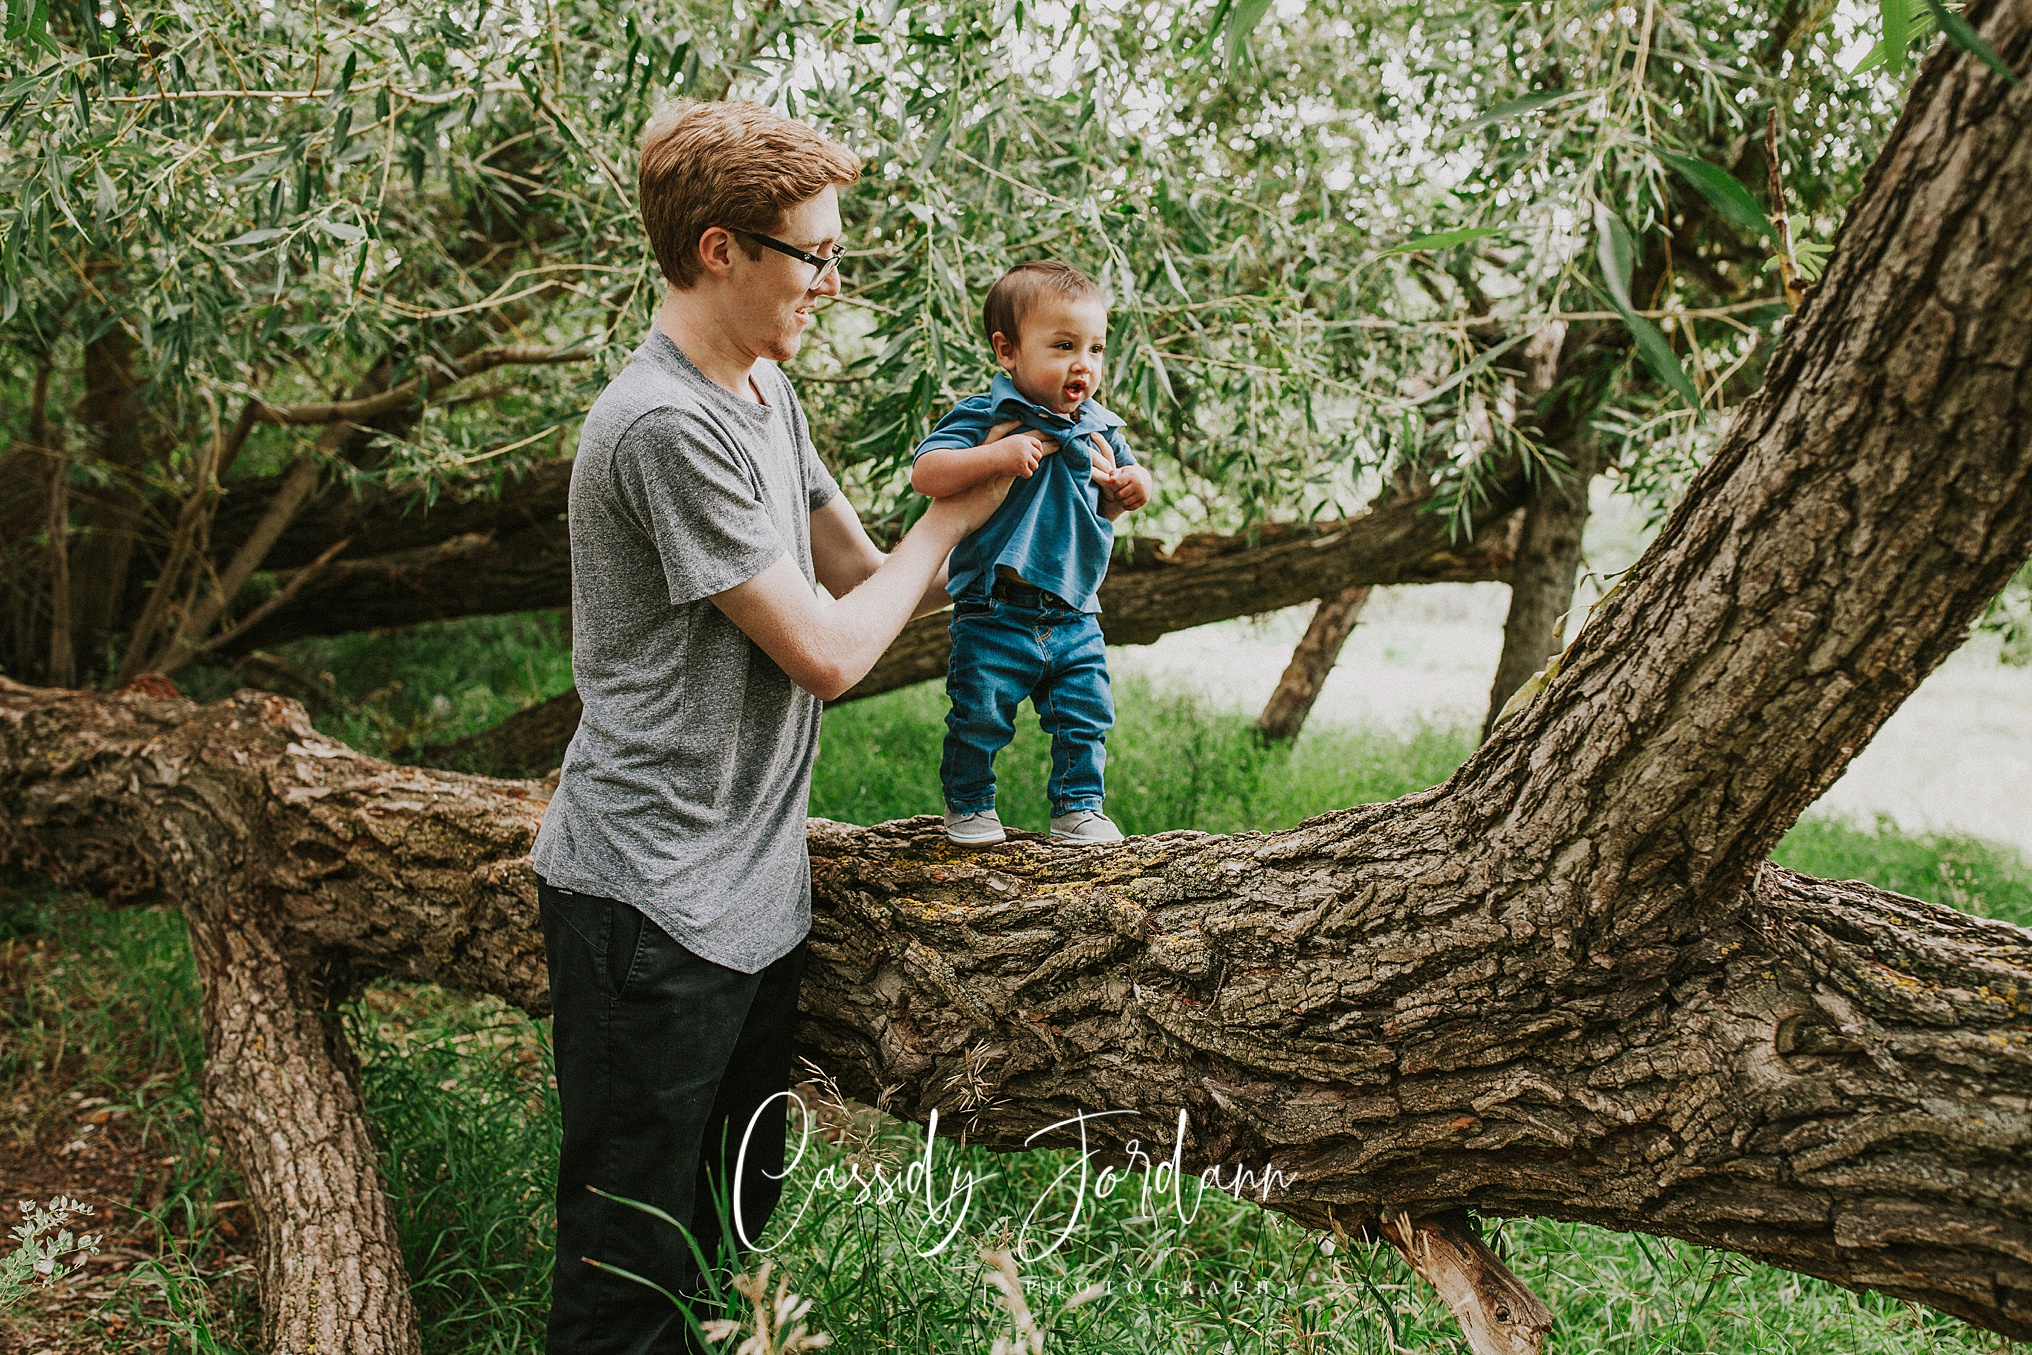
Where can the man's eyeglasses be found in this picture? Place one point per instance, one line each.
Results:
(824, 263)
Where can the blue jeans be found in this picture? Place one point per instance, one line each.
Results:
(1022, 642)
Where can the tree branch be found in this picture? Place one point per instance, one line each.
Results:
(418, 388)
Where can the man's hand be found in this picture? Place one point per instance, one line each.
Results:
(827, 649)
(965, 511)
(947, 471)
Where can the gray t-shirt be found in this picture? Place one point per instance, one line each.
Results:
(685, 790)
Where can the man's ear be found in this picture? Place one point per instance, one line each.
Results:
(716, 250)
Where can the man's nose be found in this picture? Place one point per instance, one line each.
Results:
(830, 284)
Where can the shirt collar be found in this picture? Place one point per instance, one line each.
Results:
(1090, 416)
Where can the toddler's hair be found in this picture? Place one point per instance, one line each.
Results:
(1018, 289)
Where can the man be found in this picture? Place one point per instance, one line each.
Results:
(675, 890)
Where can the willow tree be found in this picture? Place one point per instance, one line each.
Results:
(1565, 983)
(280, 283)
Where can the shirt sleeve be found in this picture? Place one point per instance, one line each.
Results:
(1120, 446)
(693, 496)
(968, 423)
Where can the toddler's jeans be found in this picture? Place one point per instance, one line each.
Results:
(1011, 642)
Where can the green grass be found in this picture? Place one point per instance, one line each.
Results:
(1965, 872)
(402, 688)
(461, 1096)
(1172, 763)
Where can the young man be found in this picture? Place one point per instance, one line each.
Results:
(675, 890)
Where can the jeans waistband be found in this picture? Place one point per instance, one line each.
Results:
(1021, 594)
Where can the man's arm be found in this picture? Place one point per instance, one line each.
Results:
(945, 471)
(844, 558)
(826, 650)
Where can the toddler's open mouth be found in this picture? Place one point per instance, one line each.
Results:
(1075, 390)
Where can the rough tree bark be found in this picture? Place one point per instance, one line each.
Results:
(1149, 592)
(1333, 621)
(1564, 983)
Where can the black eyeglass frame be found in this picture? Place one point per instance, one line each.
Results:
(819, 261)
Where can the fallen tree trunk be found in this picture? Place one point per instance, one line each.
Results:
(1565, 983)
(1149, 592)
(518, 559)
(379, 520)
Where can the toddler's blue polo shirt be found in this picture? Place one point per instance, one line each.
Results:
(1050, 529)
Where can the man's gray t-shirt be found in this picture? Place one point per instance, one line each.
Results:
(685, 790)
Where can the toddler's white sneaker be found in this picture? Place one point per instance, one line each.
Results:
(976, 829)
(1085, 825)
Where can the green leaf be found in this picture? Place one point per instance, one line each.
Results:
(1961, 35)
(1659, 357)
(342, 230)
(1242, 20)
(1487, 357)
(1897, 36)
(1615, 251)
(107, 200)
(1725, 192)
(1163, 374)
(1442, 240)
(1530, 103)
(31, 26)
(260, 237)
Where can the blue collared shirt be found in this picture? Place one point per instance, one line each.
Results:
(1050, 529)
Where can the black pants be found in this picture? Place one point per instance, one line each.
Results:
(662, 1059)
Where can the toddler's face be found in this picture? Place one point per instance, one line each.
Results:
(1057, 359)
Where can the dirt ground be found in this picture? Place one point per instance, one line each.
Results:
(89, 1148)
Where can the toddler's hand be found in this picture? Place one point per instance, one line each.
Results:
(1130, 487)
(1020, 453)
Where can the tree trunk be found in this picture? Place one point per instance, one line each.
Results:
(142, 801)
(111, 513)
(379, 520)
(1565, 983)
(1542, 580)
(282, 1092)
(476, 575)
(1319, 649)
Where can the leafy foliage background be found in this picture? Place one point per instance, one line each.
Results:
(1329, 231)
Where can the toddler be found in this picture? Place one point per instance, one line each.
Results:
(1025, 616)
